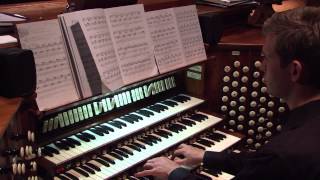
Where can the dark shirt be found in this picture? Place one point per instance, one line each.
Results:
(293, 154)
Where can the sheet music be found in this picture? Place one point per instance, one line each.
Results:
(190, 32)
(68, 20)
(167, 43)
(132, 42)
(55, 84)
(97, 33)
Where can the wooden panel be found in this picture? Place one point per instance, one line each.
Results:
(8, 108)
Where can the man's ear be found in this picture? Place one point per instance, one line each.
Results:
(296, 69)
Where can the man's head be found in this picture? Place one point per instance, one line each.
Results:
(292, 50)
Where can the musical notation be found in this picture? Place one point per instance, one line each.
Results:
(167, 43)
(190, 32)
(55, 85)
(132, 42)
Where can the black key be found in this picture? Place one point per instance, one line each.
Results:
(161, 134)
(82, 172)
(46, 152)
(52, 150)
(92, 166)
(165, 132)
(197, 146)
(62, 177)
(108, 160)
(90, 136)
(70, 144)
(169, 103)
(82, 137)
(198, 117)
(134, 147)
(115, 155)
(121, 153)
(102, 162)
(187, 122)
(181, 98)
(117, 125)
(125, 150)
(73, 141)
(106, 128)
(70, 176)
(154, 137)
(127, 119)
(135, 116)
(145, 141)
(121, 123)
(180, 126)
(87, 169)
(204, 142)
(150, 139)
(162, 106)
(101, 130)
(154, 108)
(61, 145)
(139, 145)
(145, 113)
(95, 131)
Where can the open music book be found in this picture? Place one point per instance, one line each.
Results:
(89, 52)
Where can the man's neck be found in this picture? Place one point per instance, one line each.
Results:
(301, 96)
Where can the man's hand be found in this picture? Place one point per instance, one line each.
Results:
(191, 156)
(159, 167)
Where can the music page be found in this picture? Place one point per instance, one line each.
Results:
(167, 43)
(132, 42)
(97, 34)
(67, 20)
(190, 32)
(55, 83)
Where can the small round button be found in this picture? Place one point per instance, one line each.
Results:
(244, 79)
(225, 98)
(254, 94)
(243, 89)
(257, 64)
(240, 127)
(227, 69)
(255, 84)
(270, 113)
(242, 99)
(225, 89)
(232, 113)
(235, 84)
(264, 89)
(242, 108)
(261, 120)
(269, 124)
(253, 104)
(241, 118)
(232, 122)
(224, 108)
(252, 123)
(236, 64)
(234, 94)
(252, 113)
(245, 69)
(226, 79)
(263, 99)
(270, 104)
(233, 103)
(249, 141)
(256, 74)
(236, 74)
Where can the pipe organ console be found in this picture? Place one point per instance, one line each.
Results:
(110, 136)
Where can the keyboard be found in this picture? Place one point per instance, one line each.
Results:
(98, 136)
(140, 149)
